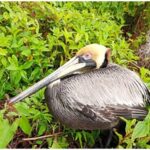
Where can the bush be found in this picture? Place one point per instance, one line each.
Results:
(38, 37)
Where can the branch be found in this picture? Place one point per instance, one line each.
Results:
(135, 65)
(42, 137)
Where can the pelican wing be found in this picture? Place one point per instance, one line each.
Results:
(112, 91)
(98, 115)
(108, 114)
(128, 112)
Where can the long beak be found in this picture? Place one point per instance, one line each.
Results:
(70, 67)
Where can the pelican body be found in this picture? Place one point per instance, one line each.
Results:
(95, 100)
(90, 93)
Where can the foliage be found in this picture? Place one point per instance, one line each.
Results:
(35, 39)
(137, 134)
(7, 131)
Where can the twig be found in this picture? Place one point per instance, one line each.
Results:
(132, 63)
(41, 137)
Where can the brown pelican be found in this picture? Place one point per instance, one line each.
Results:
(89, 92)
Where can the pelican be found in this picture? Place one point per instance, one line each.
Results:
(89, 92)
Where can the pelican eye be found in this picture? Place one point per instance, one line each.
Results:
(87, 56)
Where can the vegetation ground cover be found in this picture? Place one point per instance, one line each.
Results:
(36, 38)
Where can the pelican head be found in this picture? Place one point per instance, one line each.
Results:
(98, 54)
(92, 56)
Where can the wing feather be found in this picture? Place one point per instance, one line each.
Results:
(109, 114)
(113, 91)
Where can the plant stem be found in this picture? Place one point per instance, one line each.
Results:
(41, 137)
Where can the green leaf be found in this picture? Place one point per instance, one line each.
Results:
(12, 67)
(77, 37)
(147, 119)
(15, 125)
(79, 137)
(60, 142)
(15, 77)
(7, 131)
(129, 125)
(50, 142)
(23, 109)
(119, 136)
(55, 144)
(140, 130)
(1, 73)
(4, 61)
(6, 15)
(24, 76)
(3, 52)
(35, 73)
(42, 129)
(26, 52)
(14, 60)
(25, 125)
(27, 65)
(5, 41)
(39, 142)
(13, 63)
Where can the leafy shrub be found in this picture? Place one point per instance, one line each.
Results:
(35, 39)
